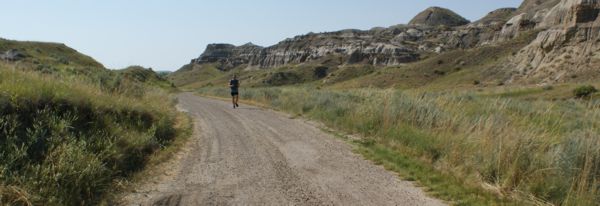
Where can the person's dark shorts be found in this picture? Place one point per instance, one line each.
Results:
(234, 93)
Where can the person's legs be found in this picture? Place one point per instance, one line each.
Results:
(233, 99)
(237, 98)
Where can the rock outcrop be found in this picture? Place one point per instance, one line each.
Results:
(529, 16)
(434, 30)
(372, 47)
(567, 47)
(355, 46)
(535, 6)
(228, 55)
(12, 55)
(440, 31)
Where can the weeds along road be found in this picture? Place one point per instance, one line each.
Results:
(253, 156)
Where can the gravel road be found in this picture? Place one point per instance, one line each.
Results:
(255, 156)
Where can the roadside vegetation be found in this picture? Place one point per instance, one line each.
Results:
(72, 130)
(471, 147)
(64, 143)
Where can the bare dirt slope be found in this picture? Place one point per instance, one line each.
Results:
(253, 156)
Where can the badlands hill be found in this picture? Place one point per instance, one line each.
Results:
(541, 42)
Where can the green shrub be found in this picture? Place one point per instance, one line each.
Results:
(584, 91)
(65, 142)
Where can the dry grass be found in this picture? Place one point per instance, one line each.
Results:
(65, 140)
(529, 150)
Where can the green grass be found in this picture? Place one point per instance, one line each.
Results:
(71, 129)
(557, 92)
(64, 63)
(154, 165)
(194, 76)
(444, 186)
(51, 58)
(64, 141)
(49, 53)
(323, 72)
(147, 77)
(525, 151)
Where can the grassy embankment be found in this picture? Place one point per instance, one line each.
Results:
(71, 131)
(471, 148)
(65, 142)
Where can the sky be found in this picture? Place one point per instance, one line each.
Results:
(165, 34)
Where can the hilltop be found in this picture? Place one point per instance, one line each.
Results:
(146, 76)
(437, 16)
(59, 60)
(48, 58)
(498, 16)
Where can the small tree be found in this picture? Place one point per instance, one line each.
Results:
(584, 91)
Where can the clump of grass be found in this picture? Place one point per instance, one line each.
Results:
(64, 141)
(584, 91)
(532, 151)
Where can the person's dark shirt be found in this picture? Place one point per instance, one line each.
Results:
(235, 84)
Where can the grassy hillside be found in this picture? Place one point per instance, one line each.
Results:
(193, 75)
(467, 146)
(147, 77)
(468, 68)
(51, 57)
(66, 63)
(313, 74)
(48, 53)
(69, 128)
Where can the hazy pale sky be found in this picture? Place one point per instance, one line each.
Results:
(167, 34)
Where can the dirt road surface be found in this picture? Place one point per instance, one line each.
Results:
(254, 156)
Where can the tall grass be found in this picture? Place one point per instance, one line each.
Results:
(64, 141)
(538, 151)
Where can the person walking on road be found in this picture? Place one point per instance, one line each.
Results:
(234, 84)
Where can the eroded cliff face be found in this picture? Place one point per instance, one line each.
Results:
(228, 55)
(354, 46)
(527, 17)
(379, 46)
(566, 49)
